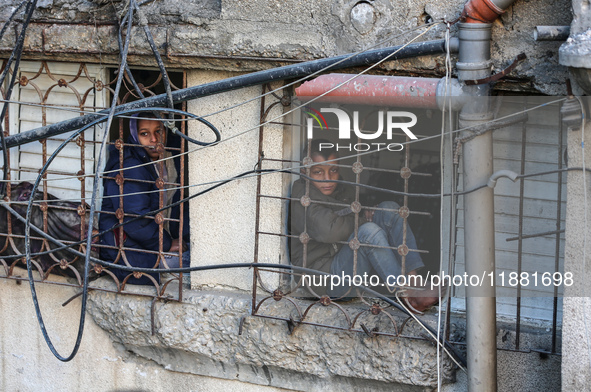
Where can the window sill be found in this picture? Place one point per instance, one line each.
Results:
(201, 336)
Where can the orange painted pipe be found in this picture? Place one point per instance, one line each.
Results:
(481, 11)
(373, 90)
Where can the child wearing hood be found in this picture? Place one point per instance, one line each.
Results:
(142, 171)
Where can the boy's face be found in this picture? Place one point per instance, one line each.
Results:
(149, 134)
(325, 171)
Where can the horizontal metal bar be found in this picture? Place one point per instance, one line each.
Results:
(535, 235)
(345, 205)
(165, 298)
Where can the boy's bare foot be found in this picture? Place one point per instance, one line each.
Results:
(420, 300)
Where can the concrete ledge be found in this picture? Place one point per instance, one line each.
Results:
(200, 336)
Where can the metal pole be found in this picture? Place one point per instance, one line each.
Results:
(551, 33)
(479, 235)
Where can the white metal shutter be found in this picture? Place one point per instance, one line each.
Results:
(49, 96)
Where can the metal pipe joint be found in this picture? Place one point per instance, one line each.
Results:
(492, 181)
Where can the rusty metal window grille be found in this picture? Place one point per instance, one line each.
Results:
(50, 92)
(46, 93)
(373, 317)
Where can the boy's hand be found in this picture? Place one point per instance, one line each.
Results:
(177, 244)
(368, 215)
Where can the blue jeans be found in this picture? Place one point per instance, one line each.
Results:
(173, 261)
(385, 230)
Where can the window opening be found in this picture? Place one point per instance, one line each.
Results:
(388, 170)
(529, 223)
(47, 93)
(170, 174)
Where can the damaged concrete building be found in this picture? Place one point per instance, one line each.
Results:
(513, 197)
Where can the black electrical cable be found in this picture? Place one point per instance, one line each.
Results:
(163, 72)
(458, 357)
(11, 17)
(567, 169)
(195, 141)
(89, 233)
(127, 70)
(18, 50)
(166, 79)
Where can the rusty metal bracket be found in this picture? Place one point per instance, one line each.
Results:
(291, 325)
(497, 76)
(152, 316)
(241, 325)
(371, 333)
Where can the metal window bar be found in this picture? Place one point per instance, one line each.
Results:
(11, 239)
(558, 231)
(372, 310)
(47, 206)
(160, 219)
(290, 295)
(521, 236)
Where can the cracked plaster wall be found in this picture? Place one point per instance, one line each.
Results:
(26, 364)
(229, 212)
(254, 32)
(200, 336)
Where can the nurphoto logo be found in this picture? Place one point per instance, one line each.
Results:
(392, 119)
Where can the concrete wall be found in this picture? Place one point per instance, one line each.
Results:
(26, 364)
(576, 346)
(223, 221)
(197, 347)
(261, 34)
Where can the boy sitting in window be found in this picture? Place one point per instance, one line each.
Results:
(326, 223)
